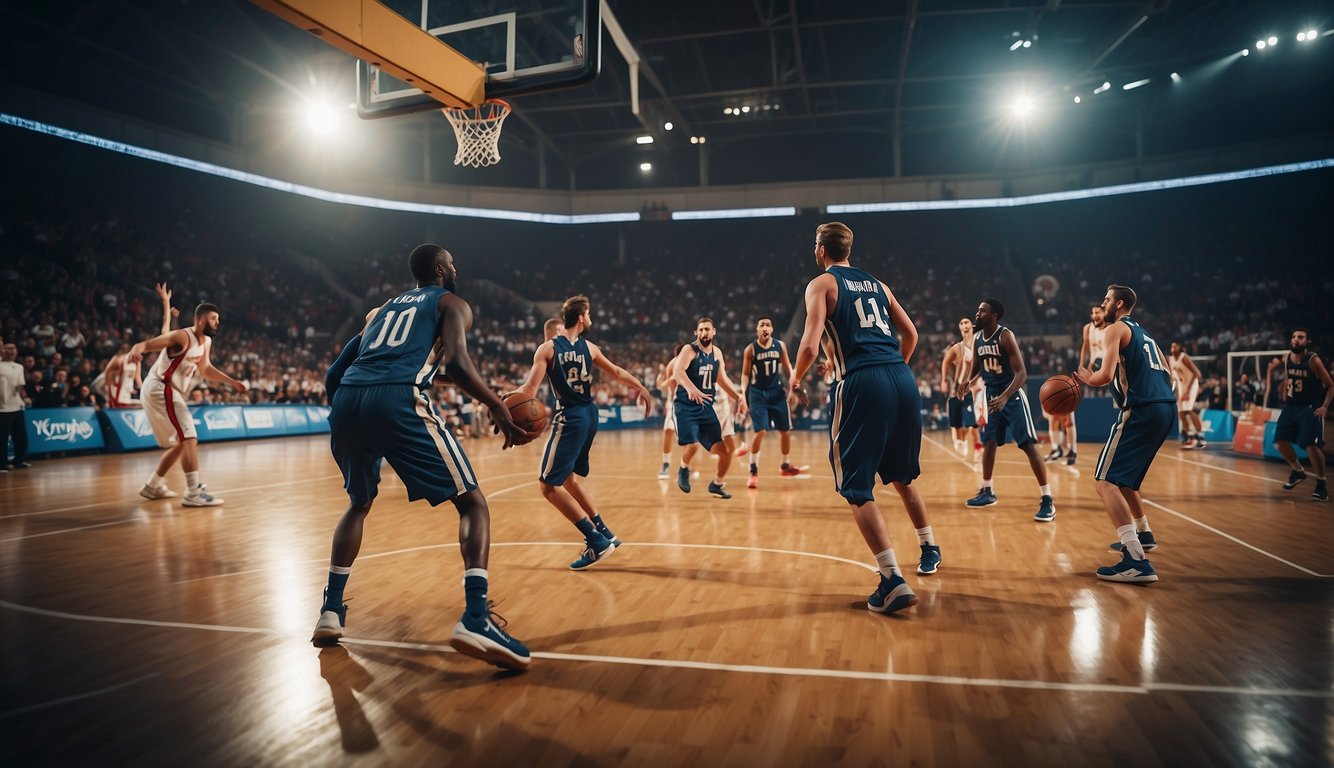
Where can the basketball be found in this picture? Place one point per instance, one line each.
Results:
(1060, 395)
(528, 412)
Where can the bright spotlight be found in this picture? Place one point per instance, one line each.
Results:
(727, 110)
(1022, 106)
(1134, 85)
(746, 108)
(646, 167)
(1016, 45)
(1245, 51)
(1176, 78)
(322, 119)
(1104, 87)
(1310, 34)
(702, 139)
(643, 139)
(1028, 43)
(1273, 40)
(667, 126)
(1301, 37)
(1077, 100)
(1260, 45)
(694, 139)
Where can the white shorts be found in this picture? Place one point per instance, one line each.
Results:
(722, 405)
(1186, 402)
(167, 413)
(980, 407)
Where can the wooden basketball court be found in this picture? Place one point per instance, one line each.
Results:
(723, 633)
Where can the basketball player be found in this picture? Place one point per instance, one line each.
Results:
(163, 397)
(727, 421)
(666, 385)
(122, 379)
(996, 358)
(565, 361)
(1142, 388)
(767, 397)
(1187, 378)
(953, 370)
(1093, 348)
(1307, 396)
(697, 369)
(877, 424)
(380, 410)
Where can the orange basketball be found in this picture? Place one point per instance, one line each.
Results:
(528, 412)
(1060, 395)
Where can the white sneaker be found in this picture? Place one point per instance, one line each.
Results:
(153, 493)
(329, 628)
(198, 497)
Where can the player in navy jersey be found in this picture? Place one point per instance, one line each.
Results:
(698, 369)
(380, 411)
(566, 361)
(763, 366)
(1141, 384)
(996, 358)
(1308, 391)
(876, 427)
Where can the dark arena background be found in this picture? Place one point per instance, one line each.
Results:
(1034, 152)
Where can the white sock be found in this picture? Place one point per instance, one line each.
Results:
(666, 458)
(925, 536)
(1130, 541)
(1142, 524)
(718, 481)
(886, 564)
(342, 570)
(754, 458)
(785, 461)
(191, 480)
(1046, 490)
(157, 481)
(475, 572)
(986, 483)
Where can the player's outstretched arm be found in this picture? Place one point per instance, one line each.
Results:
(210, 373)
(625, 377)
(541, 362)
(176, 338)
(455, 320)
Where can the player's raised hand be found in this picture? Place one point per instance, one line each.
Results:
(163, 292)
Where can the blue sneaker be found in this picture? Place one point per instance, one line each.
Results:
(930, 562)
(1046, 511)
(594, 553)
(1145, 540)
(717, 490)
(683, 479)
(1128, 570)
(329, 628)
(892, 595)
(984, 498)
(482, 639)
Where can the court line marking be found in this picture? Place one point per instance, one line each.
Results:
(1225, 469)
(76, 697)
(1236, 540)
(949, 680)
(145, 501)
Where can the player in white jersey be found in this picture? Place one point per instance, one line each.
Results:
(1187, 383)
(667, 386)
(962, 411)
(185, 352)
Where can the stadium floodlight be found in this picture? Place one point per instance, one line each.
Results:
(1260, 45)
(1245, 51)
(643, 139)
(694, 139)
(1134, 85)
(702, 139)
(322, 119)
(1022, 106)
(1273, 40)
(646, 167)
(746, 108)
(1077, 100)
(727, 110)
(1176, 77)
(667, 126)
(1301, 37)
(1310, 34)
(1016, 45)
(1105, 86)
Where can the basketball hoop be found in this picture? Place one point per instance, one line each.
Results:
(478, 132)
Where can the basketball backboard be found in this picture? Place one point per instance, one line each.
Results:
(524, 46)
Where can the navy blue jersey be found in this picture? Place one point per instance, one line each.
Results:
(401, 345)
(1141, 377)
(859, 327)
(766, 365)
(1304, 386)
(992, 361)
(568, 373)
(702, 371)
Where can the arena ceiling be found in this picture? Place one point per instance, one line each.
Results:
(781, 90)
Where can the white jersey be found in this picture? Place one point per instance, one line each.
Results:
(1097, 342)
(124, 390)
(1179, 366)
(179, 371)
(962, 370)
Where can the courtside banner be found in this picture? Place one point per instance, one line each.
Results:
(62, 429)
(127, 429)
(317, 416)
(219, 422)
(1219, 426)
(264, 420)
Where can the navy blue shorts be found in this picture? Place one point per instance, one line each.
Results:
(768, 409)
(395, 422)
(1135, 439)
(697, 423)
(961, 413)
(1014, 420)
(571, 439)
(876, 429)
(1298, 424)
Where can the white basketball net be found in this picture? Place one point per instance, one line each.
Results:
(478, 132)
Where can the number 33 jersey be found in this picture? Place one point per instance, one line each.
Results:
(859, 327)
(400, 346)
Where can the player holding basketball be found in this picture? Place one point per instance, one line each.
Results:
(697, 369)
(877, 423)
(1187, 378)
(163, 396)
(565, 361)
(381, 411)
(1307, 396)
(954, 369)
(763, 365)
(998, 361)
(1142, 388)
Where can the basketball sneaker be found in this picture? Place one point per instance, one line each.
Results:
(153, 493)
(1128, 570)
(753, 481)
(594, 553)
(199, 497)
(984, 498)
(1200, 443)
(1046, 511)
(481, 638)
(683, 479)
(718, 489)
(665, 472)
(1055, 454)
(329, 628)
(742, 451)
(892, 595)
(930, 561)
(1188, 444)
(1320, 493)
(787, 470)
(1293, 479)
(1146, 540)
(1070, 460)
